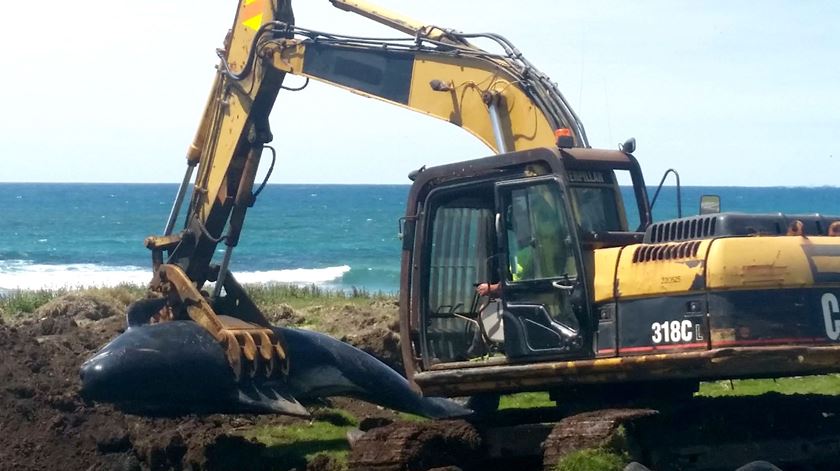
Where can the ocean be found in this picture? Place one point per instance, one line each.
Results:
(55, 235)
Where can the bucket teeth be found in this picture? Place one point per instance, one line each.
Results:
(252, 348)
(254, 354)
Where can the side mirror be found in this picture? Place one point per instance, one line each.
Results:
(709, 204)
(406, 232)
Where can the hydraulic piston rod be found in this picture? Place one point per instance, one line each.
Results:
(495, 120)
(179, 198)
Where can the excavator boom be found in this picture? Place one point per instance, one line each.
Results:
(499, 97)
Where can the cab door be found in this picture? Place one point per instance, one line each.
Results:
(545, 308)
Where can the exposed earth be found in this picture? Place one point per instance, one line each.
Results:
(44, 424)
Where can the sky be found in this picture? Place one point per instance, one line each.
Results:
(743, 93)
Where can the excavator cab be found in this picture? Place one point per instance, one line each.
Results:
(527, 224)
(544, 302)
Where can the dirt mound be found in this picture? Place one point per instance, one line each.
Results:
(372, 327)
(284, 315)
(381, 342)
(41, 415)
(80, 306)
(44, 423)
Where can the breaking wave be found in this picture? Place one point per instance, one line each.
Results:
(24, 275)
(296, 275)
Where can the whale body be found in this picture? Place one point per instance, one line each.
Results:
(178, 367)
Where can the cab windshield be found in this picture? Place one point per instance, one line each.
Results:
(598, 200)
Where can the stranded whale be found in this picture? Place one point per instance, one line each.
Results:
(178, 367)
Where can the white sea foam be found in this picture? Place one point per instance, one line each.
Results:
(20, 274)
(297, 275)
(16, 274)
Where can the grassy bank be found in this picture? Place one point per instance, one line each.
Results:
(300, 297)
(278, 302)
(18, 304)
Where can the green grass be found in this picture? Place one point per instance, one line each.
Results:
(411, 417)
(825, 384)
(592, 459)
(322, 310)
(309, 295)
(21, 303)
(123, 294)
(528, 400)
(304, 441)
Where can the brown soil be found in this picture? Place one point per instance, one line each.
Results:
(44, 424)
(372, 327)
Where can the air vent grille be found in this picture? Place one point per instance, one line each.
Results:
(650, 253)
(682, 229)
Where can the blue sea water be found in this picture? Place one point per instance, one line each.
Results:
(341, 236)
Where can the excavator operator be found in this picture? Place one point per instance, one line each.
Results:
(536, 240)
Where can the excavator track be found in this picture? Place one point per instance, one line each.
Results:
(791, 431)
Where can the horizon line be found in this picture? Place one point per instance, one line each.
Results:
(394, 184)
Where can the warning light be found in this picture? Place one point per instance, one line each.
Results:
(564, 138)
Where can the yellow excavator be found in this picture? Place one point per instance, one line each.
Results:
(529, 270)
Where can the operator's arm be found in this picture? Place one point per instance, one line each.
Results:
(488, 289)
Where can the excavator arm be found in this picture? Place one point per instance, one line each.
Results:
(498, 97)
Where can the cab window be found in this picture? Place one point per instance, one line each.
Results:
(537, 234)
(598, 199)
